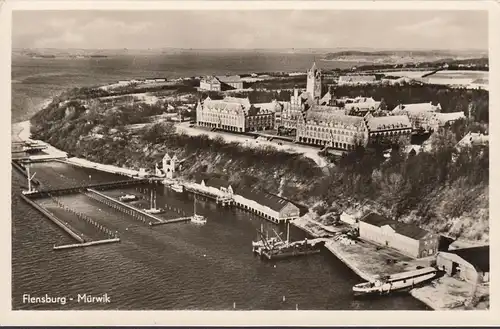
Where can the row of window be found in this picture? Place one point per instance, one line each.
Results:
(325, 136)
(334, 131)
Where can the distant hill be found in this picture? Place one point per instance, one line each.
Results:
(401, 56)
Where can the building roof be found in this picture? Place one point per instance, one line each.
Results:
(417, 107)
(388, 122)
(222, 105)
(243, 101)
(229, 78)
(362, 105)
(216, 182)
(409, 230)
(474, 139)
(445, 117)
(210, 80)
(269, 200)
(334, 116)
(479, 257)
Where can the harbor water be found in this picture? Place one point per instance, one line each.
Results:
(178, 266)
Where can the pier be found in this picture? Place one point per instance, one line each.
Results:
(86, 244)
(123, 207)
(83, 188)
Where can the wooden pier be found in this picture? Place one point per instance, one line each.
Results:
(86, 244)
(172, 221)
(83, 188)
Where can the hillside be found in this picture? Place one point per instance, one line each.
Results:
(441, 190)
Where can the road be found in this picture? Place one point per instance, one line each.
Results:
(249, 141)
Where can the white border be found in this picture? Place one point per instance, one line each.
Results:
(456, 318)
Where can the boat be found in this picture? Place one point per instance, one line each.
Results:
(177, 188)
(266, 242)
(197, 219)
(128, 197)
(396, 281)
(152, 209)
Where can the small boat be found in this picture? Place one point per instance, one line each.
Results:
(177, 188)
(128, 197)
(152, 209)
(197, 219)
(396, 281)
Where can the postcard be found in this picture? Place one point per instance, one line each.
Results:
(254, 162)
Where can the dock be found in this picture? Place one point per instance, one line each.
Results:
(86, 244)
(172, 221)
(123, 207)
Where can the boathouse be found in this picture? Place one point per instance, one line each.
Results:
(266, 205)
(408, 239)
(469, 264)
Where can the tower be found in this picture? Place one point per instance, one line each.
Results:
(314, 83)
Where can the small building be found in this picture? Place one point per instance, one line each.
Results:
(408, 239)
(218, 187)
(469, 264)
(169, 165)
(348, 218)
(233, 81)
(210, 84)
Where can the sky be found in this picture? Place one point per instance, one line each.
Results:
(452, 30)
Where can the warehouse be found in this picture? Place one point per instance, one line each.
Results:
(408, 239)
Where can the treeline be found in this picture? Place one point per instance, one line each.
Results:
(473, 101)
(445, 190)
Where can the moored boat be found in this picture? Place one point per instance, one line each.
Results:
(197, 219)
(177, 188)
(396, 281)
(128, 197)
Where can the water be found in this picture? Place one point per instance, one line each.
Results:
(35, 80)
(173, 266)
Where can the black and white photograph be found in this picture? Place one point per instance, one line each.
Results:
(249, 159)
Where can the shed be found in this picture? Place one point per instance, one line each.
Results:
(470, 264)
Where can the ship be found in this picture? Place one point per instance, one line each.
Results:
(197, 219)
(397, 281)
(152, 209)
(128, 197)
(265, 242)
(177, 188)
(277, 248)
